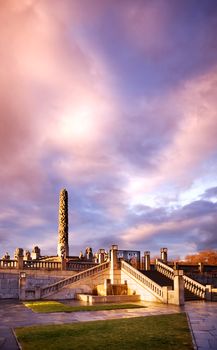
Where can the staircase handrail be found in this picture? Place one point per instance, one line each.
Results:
(190, 284)
(165, 269)
(52, 288)
(154, 288)
(195, 287)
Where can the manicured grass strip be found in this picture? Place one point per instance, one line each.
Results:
(55, 306)
(153, 332)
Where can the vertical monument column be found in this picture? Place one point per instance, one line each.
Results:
(63, 246)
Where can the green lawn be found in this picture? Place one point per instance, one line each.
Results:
(55, 306)
(153, 332)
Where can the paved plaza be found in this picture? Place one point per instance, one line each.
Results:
(202, 317)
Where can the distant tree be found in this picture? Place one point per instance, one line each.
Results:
(153, 259)
(205, 256)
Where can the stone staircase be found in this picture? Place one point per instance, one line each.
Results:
(154, 281)
(193, 289)
(56, 287)
(144, 281)
(158, 278)
(163, 280)
(189, 296)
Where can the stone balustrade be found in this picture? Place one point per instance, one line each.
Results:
(79, 266)
(165, 270)
(193, 286)
(142, 279)
(39, 264)
(46, 265)
(8, 264)
(79, 276)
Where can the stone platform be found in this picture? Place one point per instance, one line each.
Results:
(93, 299)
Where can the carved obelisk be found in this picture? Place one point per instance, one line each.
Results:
(63, 245)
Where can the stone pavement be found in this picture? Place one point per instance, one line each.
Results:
(202, 315)
(203, 319)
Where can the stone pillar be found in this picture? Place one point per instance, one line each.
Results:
(147, 265)
(179, 298)
(37, 292)
(163, 253)
(101, 256)
(115, 272)
(36, 253)
(27, 255)
(166, 290)
(63, 264)
(107, 286)
(89, 254)
(22, 286)
(175, 265)
(208, 292)
(200, 267)
(18, 255)
(63, 246)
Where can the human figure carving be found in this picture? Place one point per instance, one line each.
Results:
(63, 247)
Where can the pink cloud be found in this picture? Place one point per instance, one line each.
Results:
(145, 25)
(46, 86)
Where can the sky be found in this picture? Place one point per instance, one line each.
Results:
(116, 101)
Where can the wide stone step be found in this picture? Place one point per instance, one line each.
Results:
(158, 278)
(189, 296)
(162, 280)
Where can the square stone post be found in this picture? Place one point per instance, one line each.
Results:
(18, 255)
(208, 292)
(179, 298)
(37, 292)
(107, 286)
(20, 262)
(115, 272)
(101, 256)
(165, 294)
(200, 267)
(22, 286)
(163, 253)
(63, 264)
(147, 265)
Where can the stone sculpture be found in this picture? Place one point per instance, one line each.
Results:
(63, 247)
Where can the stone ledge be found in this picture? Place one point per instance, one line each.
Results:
(92, 299)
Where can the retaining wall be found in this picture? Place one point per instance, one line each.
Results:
(9, 281)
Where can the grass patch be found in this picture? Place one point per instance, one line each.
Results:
(152, 332)
(55, 306)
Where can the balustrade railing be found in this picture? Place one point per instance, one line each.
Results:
(39, 264)
(142, 279)
(53, 288)
(165, 270)
(46, 265)
(190, 284)
(79, 266)
(195, 287)
(8, 264)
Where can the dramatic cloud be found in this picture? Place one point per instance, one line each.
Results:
(116, 101)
